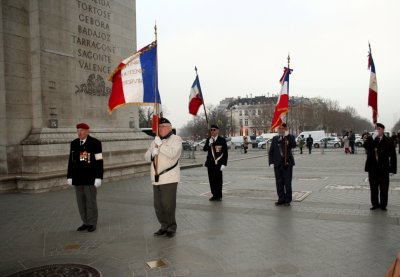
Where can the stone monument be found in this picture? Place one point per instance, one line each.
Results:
(55, 57)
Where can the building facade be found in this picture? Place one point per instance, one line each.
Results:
(55, 57)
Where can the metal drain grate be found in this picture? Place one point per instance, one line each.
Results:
(59, 270)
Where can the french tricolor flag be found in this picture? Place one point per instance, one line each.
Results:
(373, 89)
(282, 106)
(135, 80)
(196, 97)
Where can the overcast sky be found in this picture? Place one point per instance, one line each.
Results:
(241, 47)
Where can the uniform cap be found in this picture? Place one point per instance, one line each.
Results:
(380, 125)
(82, 126)
(214, 126)
(163, 120)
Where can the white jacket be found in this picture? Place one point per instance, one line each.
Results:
(168, 154)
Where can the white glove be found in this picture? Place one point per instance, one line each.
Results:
(157, 141)
(69, 180)
(271, 165)
(154, 152)
(391, 174)
(375, 134)
(222, 167)
(286, 133)
(97, 182)
(211, 141)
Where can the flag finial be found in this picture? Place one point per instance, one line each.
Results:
(155, 29)
(288, 60)
(195, 69)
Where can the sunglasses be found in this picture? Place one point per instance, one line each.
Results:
(213, 129)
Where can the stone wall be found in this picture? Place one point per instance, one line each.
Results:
(55, 57)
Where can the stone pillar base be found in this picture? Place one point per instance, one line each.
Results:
(36, 183)
(45, 158)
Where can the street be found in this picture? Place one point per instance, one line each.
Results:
(328, 231)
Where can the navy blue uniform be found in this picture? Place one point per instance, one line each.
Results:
(84, 166)
(381, 160)
(214, 163)
(280, 155)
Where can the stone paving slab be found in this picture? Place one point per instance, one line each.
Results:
(332, 232)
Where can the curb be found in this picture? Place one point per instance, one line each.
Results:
(235, 160)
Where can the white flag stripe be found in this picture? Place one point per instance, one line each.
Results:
(132, 81)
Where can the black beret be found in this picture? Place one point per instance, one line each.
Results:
(214, 126)
(163, 120)
(380, 125)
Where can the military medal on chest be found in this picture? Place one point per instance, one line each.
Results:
(84, 157)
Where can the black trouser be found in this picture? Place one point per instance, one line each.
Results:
(283, 178)
(87, 204)
(165, 205)
(301, 150)
(379, 184)
(352, 147)
(215, 179)
(309, 148)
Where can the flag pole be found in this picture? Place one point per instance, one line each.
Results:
(288, 65)
(370, 57)
(204, 104)
(156, 106)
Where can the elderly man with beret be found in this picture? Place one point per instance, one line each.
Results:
(164, 153)
(85, 172)
(381, 162)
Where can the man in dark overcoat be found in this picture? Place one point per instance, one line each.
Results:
(381, 162)
(85, 173)
(217, 160)
(281, 159)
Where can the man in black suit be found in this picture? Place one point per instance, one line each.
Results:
(217, 159)
(309, 142)
(85, 172)
(281, 159)
(381, 162)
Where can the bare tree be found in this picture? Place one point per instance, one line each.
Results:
(145, 116)
(396, 127)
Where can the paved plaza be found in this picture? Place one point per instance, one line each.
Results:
(329, 231)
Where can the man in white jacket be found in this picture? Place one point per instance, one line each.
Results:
(164, 153)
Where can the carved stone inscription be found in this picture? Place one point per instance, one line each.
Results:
(93, 45)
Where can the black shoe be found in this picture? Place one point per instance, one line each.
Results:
(83, 227)
(170, 234)
(160, 233)
(218, 199)
(91, 228)
(212, 198)
(287, 204)
(279, 203)
(373, 208)
(383, 209)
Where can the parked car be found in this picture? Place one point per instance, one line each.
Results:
(263, 144)
(359, 142)
(188, 145)
(200, 144)
(328, 142)
(316, 135)
(237, 141)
